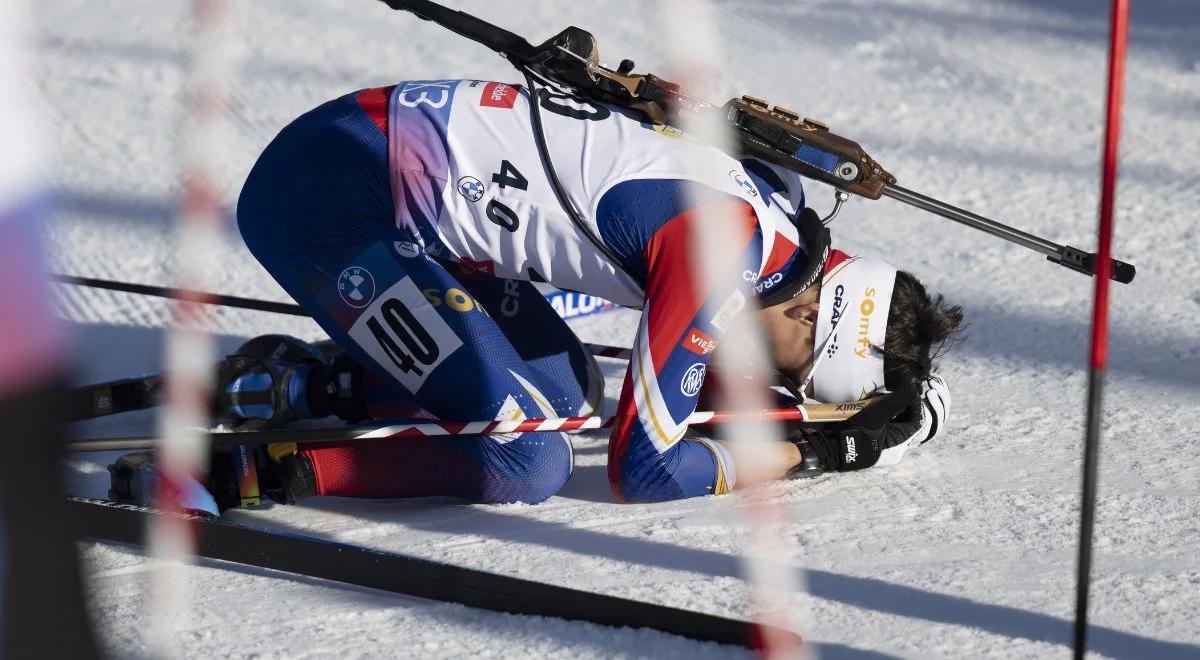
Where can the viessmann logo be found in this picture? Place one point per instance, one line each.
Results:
(699, 343)
(498, 95)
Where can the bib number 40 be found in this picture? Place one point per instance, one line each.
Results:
(405, 335)
(498, 212)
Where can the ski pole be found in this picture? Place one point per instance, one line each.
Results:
(1119, 37)
(169, 292)
(420, 428)
(599, 350)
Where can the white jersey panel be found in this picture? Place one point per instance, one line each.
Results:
(500, 207)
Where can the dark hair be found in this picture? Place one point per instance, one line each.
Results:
(920, 329)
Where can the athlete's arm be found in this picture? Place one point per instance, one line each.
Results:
(682, 321)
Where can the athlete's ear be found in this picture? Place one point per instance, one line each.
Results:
(804, 312)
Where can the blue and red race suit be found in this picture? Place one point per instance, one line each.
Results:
(366, 209)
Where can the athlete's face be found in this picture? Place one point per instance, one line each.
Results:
(789, 328)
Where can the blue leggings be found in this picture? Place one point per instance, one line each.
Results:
(317, 213)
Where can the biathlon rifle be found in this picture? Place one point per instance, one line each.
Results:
(774, 134)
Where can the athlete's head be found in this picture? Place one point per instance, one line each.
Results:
(863, 327)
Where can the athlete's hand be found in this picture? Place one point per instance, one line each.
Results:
(879, 435)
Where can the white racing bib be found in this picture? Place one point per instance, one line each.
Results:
(500, 211)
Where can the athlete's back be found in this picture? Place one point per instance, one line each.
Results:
(499, 209)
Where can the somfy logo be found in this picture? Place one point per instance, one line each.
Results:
(865, 309)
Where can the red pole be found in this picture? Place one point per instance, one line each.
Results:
(1099, 356)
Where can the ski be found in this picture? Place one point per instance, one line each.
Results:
(128, 394)
(225, 540)
(112, 397)
(144, 392)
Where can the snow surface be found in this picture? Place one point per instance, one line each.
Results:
(966, 549)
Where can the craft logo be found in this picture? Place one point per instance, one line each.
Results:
(769, 283)
(356, 286)
(699, 343)
(510, 305)
(865, 309)
(693, 378)
(498, 95)
(471, 188)
(743, 183)
(838, 308)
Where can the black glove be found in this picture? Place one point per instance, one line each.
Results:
(857, 442)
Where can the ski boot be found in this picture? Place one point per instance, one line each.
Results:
(266, 383)
(237, 476)
(275, 379)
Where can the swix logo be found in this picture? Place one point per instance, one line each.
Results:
(699, 343)
(851, 451)
(865, 309)
(838, 307)
(498, 95)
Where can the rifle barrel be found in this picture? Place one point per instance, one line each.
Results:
(979, 222)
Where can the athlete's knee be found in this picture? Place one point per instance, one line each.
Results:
(529, 469)
(687, 469)
(643, 476)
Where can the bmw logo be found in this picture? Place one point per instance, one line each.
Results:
(743, 183)
(356, 286)
(471, 188)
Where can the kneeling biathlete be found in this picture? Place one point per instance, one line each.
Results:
(411, 222)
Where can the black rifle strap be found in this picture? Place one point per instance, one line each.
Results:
(512, 46)
(539, 137)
